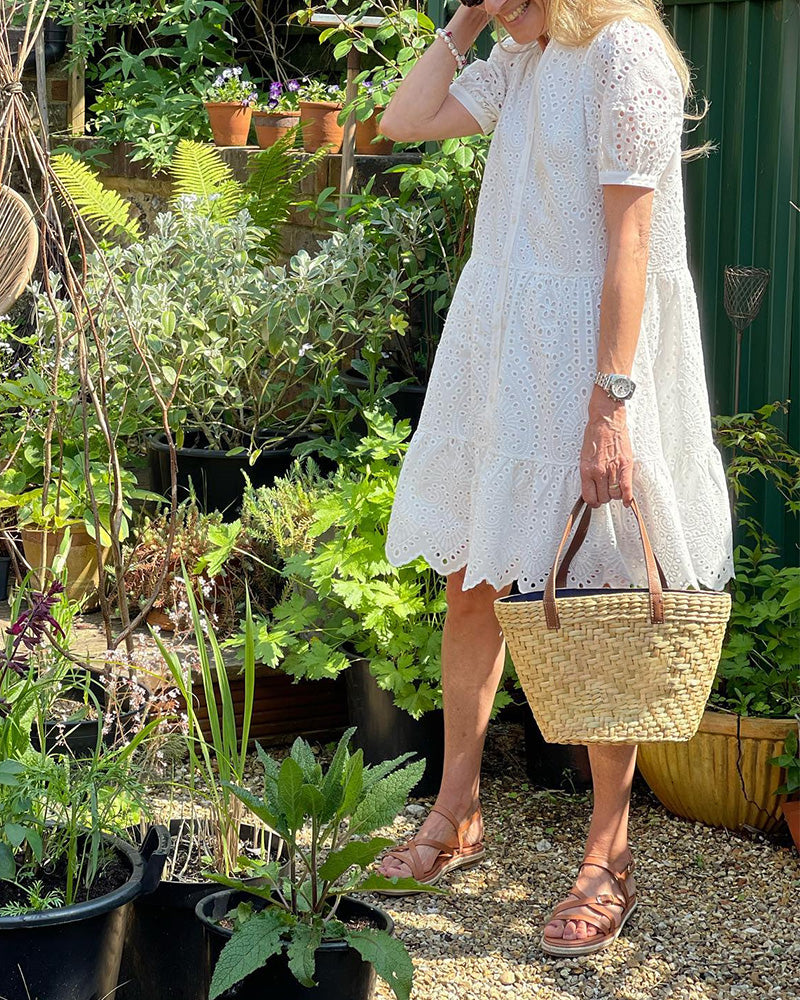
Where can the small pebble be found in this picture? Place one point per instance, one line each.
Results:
(415, 810)
(508, 978)
(543, 845)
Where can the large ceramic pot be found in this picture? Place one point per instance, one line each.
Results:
(83, 570)
(723, 775)
(73, 952)
(273, 125)
(791, 813)
(367, 141)
(340, 971)
(230, 122)
(320, 127)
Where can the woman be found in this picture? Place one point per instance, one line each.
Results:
(570, 363)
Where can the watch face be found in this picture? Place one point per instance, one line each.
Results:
(621, 388)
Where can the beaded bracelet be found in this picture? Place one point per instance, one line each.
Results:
(447, 38)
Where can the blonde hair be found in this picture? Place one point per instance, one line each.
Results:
(577, 22)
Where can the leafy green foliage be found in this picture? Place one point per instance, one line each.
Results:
(345, 599)
(199, 172)
(255, 941)
(335, 809)
(106, 209)
(759, 670)
(790, 761)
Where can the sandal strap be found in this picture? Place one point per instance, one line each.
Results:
(596, 909)
(620, 878)
(460, 827)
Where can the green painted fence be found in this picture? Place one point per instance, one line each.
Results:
(746, 61)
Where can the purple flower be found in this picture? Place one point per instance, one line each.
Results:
(293, 86)
(275, 88)
(272, 103)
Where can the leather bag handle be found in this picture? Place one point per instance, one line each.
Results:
(656, 581)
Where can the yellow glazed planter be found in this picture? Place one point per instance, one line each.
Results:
(723, 775)
(83, 574)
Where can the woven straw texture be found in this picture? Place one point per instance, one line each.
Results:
(608, 675)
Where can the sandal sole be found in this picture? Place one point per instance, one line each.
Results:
(450, 866)
(586, 949)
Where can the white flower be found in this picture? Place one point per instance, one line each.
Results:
(304, 350)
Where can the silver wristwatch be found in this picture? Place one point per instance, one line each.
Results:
(619, 387)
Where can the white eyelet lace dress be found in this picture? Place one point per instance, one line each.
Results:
(493, 468)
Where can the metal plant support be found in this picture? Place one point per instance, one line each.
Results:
(744, 296)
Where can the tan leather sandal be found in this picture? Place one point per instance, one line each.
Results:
(609, 922)
(453, 854)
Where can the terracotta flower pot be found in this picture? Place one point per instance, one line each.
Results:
(701, 779)
(230, 122)
(791, 813)
(319, 125)
(366, 131)
(273, 125)
(83, 573)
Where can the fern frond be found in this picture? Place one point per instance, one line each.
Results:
(274, 175)
(198, 169)
(100, 206)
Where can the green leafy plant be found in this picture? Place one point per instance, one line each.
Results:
(230, 86)
(151, 92)
(346, 600)
(317, 91)
(106, 209)
(789, 760)
(219, 760)
(326, 818)
(54, 810)
(759, 671)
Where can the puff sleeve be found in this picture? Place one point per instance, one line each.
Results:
(481, 87)
(640, 105)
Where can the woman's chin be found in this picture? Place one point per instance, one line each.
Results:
(528, 26)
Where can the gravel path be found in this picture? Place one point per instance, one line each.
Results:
(718, 918)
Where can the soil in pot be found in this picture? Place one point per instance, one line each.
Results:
(230, 122)
(320, 127)
(150, 971)
(73, 952)
(216, 477)
(340, 971)
(384, 731)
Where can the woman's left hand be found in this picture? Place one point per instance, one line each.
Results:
(606, 457)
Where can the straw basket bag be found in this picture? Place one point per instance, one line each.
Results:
(615, 666)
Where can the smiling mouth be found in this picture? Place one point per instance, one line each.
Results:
(515, 14)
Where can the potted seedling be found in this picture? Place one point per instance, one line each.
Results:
(304, 928)
(229, 103)
(66, 878)
(224, 832)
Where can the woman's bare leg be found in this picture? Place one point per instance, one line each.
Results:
(473, 653)
(612, 777)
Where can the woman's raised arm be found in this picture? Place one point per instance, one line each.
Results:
(422, 107)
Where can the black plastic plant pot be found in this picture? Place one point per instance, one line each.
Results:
(384, 731)
(554, 765)
(216, 476)
(341, 973)
(151, 971)
(74, 952)
(5, 570)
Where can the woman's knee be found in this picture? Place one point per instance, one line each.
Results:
(477, 601)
